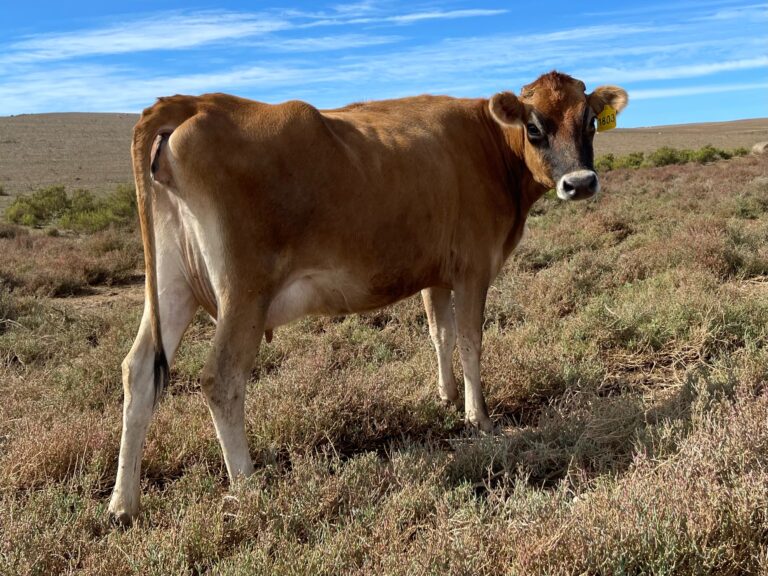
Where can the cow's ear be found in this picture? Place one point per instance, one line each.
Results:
(612, 96)
(506, 109)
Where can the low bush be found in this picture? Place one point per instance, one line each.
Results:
(631, 160)
(605, 162)
(666, 156)
(80, 211)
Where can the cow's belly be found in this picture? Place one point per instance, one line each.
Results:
(332, 293)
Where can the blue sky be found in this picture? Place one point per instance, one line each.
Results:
(681, 61)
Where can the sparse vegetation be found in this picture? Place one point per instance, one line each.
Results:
(625, 362)
(55, 265)
(666, 156)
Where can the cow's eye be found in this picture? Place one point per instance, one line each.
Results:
(533, 131)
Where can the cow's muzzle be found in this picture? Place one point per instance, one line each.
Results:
(578, 185)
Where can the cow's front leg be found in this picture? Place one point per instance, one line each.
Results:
(442, 330)
(469, 300)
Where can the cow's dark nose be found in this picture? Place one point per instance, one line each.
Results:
(578, 185)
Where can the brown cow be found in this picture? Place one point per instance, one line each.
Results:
(262, 214)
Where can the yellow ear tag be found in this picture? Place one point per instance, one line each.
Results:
(606, 120)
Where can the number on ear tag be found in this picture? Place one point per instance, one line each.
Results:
(606, 120)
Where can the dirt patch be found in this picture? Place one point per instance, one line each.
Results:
(102, 297)
(77, 150)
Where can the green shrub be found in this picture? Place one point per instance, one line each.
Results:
(82, 201)
(122, 204)
(87, 221)
(709, 153)
(39, 208)
(632, 160)
(23, 211)
(605, 163)
(82, 211)
(52, 202)
(666, 156)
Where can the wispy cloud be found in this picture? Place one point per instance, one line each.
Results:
(759, 11)
(688, 8)
(323, 43)
(357, 8)
(675, 72)
(160, 32)
(442, 15)
(174, 31)
(398, 19)
(646, 94)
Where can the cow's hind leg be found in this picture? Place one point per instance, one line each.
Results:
(470, 304)
(177, 307)
(442, 330)
(235, 346)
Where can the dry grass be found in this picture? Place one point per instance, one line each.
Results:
(625, 363)
(37, 263)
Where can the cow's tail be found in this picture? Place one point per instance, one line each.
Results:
(149, 135)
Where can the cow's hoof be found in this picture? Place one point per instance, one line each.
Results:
(122, 511)
(448, 403)
(120, 519)
(483, 424)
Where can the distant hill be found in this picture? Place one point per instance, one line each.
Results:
(720, 134)
(93, 150)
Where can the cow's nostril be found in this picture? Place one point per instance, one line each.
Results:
(567, 186)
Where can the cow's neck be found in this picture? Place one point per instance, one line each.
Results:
(521, 182)
(520, 185)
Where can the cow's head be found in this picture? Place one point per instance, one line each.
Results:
(558, 123)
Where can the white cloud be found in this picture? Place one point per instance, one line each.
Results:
(673, 72)
(444, 15)
(161, 32)
(754, 11)
(174, 31)
(323, 43)
(357, 8)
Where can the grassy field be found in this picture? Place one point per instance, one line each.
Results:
(624, 363)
